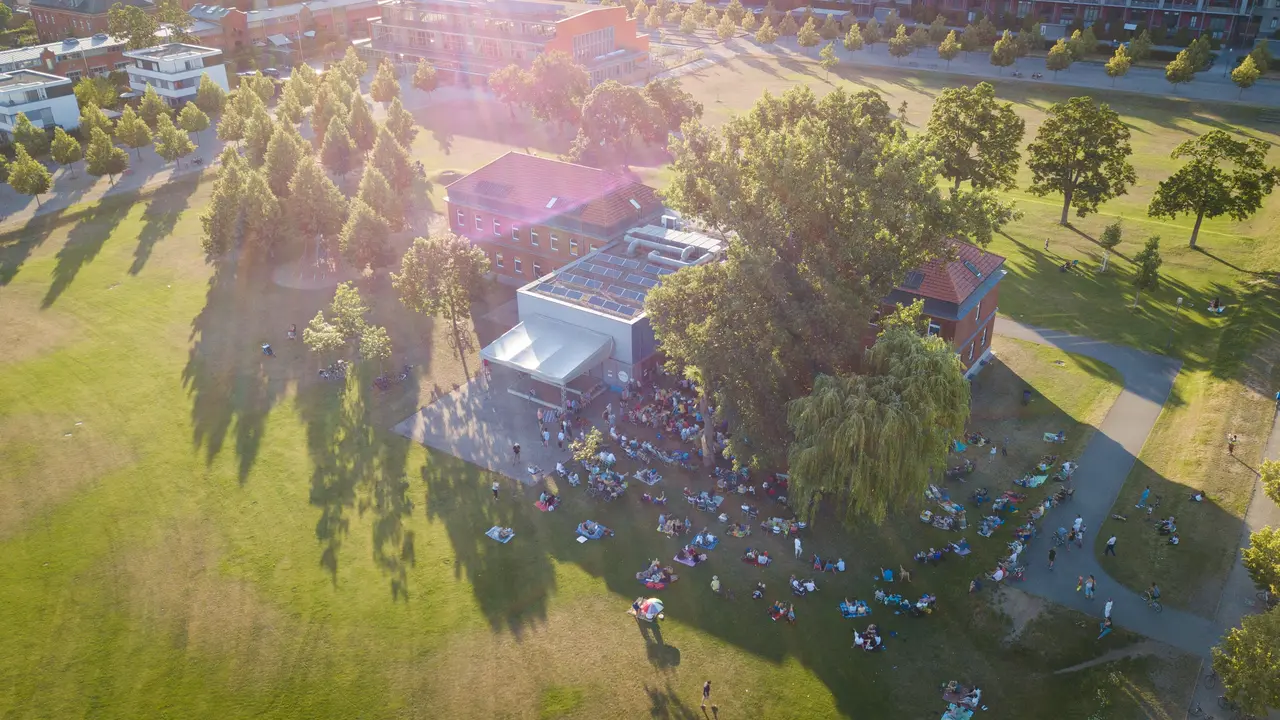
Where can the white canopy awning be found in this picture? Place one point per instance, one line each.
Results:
(549, 350)
(279, 40)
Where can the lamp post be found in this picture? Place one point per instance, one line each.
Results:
(1173, 324)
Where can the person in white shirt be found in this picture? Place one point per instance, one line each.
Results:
(797, 547)
(1079, 523)
(998, 575)
(1106, 609)
(840, 565)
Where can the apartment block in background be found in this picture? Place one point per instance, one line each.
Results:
(72, 58)
(58, 19)
(174, 70)
(467, 40)
(47, 100)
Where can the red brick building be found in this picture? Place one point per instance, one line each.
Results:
(960, 297)
(57, 19)
(239, 27)
(72, 58)
(531, 215)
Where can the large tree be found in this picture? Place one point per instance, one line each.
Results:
(424, 77)
(401, 124)
(832, 204)
(66, 150)
(91, 118)
(132, 131)
(34, 139)
(363, 240)
(1222, 176)
(1270, 477)
(557, 85)
(1146, 268)
(386, 86)
(171, 142)
(1005, 51)
(1059, 57)
(900, 44)
(103, 158)
(257, 136)
(1180, 70)
(612, 116)
(193, 120)
(338, 152)
(673, 104)
(27, 176)
(949, 48)
(392, 160)
(152, 107)
(1119, 64)
(872, 441)
(976, 137)
(360, 123)
(510, 85)
(1262, 558)
(343, 327)
(210, 97)
(316, 207)
(284, 152)
(1247, 664)
(1246, 74)
(438, 276)
(134, 24)
(221, 220)
(263, 225)
(377, 193)
(1086, 173)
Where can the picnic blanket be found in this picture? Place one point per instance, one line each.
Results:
(960, 550)
(856, 610)
(706, 545)
(599, 533)
(958, 446)
(493, 533)
(647, 477)
(543, 506)
(687, 561)
(951, 507)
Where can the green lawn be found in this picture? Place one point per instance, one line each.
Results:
(193, 530)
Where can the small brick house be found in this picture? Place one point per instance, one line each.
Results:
(532, 215)
(960, 297)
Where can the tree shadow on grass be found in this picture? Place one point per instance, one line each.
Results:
(358, 467)
(84, 242)
(665, 704)
(513, 581)
(161, 216)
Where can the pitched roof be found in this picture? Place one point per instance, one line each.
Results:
(954, 279)
(542, 189)
(89, 7)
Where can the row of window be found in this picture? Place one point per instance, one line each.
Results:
(517, 266)
(535, 241)
(164, 84)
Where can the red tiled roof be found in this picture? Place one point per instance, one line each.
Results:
(950, 280)
(528, 183)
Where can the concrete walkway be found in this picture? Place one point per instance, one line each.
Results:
(1104, 465)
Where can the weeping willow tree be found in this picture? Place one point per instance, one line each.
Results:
(871, 440)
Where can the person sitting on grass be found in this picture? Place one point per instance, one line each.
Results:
(758, 593)
(886, 574)
(1173, 538)
(791, 613)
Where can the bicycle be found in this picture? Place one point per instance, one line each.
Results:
(1152, 602)
(1267, 599)
(1196, 711)
(1227, 703)
(1211, 680)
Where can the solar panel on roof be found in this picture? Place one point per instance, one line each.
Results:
(632, 264)
(574, 295)
(635, 279)
(627, 311)
(594, 284)
(617, 290)
(546, 287)
(648, 283)
(973, 269)
(665, 271)
(559, 291)
(615, 307)
(652, 269)
(612, 274)
(596, 300)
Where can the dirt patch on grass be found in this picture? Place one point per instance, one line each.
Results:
(173, 586)
(28, 332)
(1021, 608)
(1140, 649)
(47, 459)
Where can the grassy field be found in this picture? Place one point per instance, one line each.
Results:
(191, 529)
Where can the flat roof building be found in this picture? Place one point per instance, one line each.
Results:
(174, 70)
(47, 101)
(72, 58)
(57, 19)
(583, 327)
(466, 40)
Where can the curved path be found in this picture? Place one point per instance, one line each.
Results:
(1104, 465)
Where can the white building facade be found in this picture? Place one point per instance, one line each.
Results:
(47, 100)
(174, 70)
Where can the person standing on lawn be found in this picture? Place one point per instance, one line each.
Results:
(1142, 501)
(706, 693)
(1111, 546)
(495, 489)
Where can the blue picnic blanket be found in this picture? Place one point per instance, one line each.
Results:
(493, 533)
(706, 546)
(599, 533)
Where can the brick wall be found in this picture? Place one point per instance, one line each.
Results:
(514, 247)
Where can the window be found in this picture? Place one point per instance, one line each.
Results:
(537, 270)
(479, 222)
(497, 228)
(1024, 8)
(533, 238)
(1090, 14)
(593, 247)
(1194, 19)
(983, 341)
(554, 239)
(1274, 22)
(977, 315)
(515, 264)
(573, 246)
(971, 353)
(515, 234)
(934, 328)
(497, 260)
(461, 219)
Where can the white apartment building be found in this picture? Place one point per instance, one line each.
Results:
(174, 70)
(47, 100)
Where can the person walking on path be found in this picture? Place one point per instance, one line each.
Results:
(1106, 609)
(1089, 586)
(546, 438)
(1046, 244)
(495, 489)
(797, 547)
(992, 454)
(1080, 538)
(1077, 524)
(515, 451)
(706, 693)
(1111, 546)
(1071, 537)
(1053, 555)
(1142, 501)
(560, 440)
(1231, 443)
